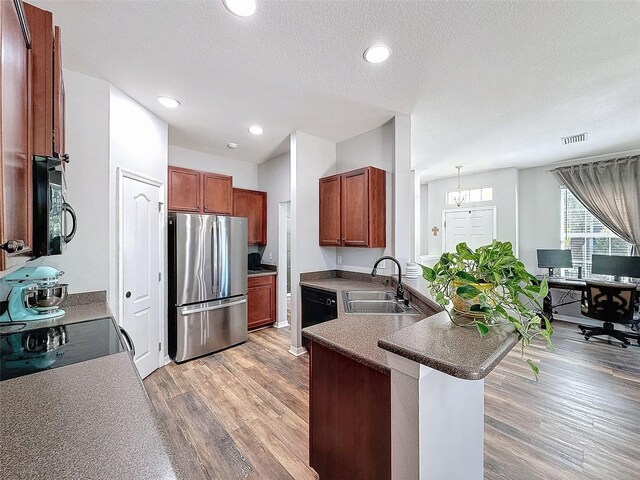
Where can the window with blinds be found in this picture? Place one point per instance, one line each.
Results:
(585, 235)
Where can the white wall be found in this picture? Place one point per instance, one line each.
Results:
(274, 177)
(425, 228)
(315, 158)
(311, 159)
(505, 198)
(86, 260)
(373, 148)
(540, 215)
(245, 174)
(404, 233)
(139, 143)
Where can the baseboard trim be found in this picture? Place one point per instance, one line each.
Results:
(297, 351)
(166, 360)
(281, 324)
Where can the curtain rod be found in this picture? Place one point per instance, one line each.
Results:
(592, 159)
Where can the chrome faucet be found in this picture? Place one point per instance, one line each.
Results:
(400, 288)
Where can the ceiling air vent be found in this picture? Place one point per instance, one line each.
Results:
(581, 137)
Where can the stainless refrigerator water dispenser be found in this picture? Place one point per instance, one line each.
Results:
(207, 284)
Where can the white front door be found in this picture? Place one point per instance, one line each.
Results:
(141, 240)
(476, 227)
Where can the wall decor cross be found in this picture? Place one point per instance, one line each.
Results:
(435, 231)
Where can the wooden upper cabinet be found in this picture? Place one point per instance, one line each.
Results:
(184, 190)
(15, 140)
(217, 191)
(47, 92)
(355, 208)
(253, 205)
(353, 204)
(330, 205)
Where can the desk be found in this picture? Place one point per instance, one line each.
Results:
(563, 283)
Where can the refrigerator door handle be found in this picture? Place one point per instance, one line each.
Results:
(215, 251)
(188, 311)
(220, 257)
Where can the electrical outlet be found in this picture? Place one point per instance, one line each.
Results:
(339, 259)
(270, 255)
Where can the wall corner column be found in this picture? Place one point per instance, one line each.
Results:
(437, 423)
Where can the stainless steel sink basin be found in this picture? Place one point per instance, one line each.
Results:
(385, 304)
(368, 295)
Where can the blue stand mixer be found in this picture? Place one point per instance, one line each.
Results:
(35, 294)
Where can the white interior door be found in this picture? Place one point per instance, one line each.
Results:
(476, 227)
(141, 240)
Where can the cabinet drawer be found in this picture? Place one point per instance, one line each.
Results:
(260, 280)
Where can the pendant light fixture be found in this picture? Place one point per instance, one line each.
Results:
(458, 197)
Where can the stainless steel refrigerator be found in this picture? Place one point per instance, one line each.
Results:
(207, 284)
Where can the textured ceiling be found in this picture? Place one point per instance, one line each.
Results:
(488, 84)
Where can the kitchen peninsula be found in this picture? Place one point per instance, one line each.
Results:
(382, 386)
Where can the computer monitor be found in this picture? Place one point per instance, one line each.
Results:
(616, 265)
(554, 258)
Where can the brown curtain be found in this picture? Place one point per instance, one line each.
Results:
(609, 189)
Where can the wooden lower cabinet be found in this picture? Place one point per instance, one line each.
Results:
(349, 418)
(261, 301)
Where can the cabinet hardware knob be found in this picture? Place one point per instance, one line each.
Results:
(13, 246)
(128, 294)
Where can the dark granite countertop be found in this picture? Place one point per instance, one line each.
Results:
(261, 273)
(433, 340)
(72, 314)
(353, 335)
(89, 420)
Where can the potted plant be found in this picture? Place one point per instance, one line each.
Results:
(490, 286)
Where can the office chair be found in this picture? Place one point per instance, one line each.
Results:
(610, 302)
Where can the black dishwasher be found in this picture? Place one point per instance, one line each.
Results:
(317, 306)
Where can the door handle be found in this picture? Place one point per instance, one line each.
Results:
(128, 294)
(189, 311)
(215, 251)
(67, 208)
(128, 343)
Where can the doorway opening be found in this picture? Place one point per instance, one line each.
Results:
(284, 265)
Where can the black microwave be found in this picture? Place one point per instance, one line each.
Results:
(50, 211)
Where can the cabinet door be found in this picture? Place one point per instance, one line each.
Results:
(58, 96)
(252, 205)
(218, 194)
(330, 210)
(261, 301)
(355, 208)
(184, 190)
(42, 56)
(15, 168)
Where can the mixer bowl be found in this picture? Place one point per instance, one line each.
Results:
(45, 299)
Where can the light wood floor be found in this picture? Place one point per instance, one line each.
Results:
(242, 413)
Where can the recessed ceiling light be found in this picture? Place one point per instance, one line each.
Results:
(377, 53)
(168, 102)
(232, 146)
(241, 8)
(255, 129)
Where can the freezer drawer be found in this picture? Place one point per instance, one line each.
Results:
(204, 328)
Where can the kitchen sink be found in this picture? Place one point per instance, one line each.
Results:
(368, 295)
(385, 304)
